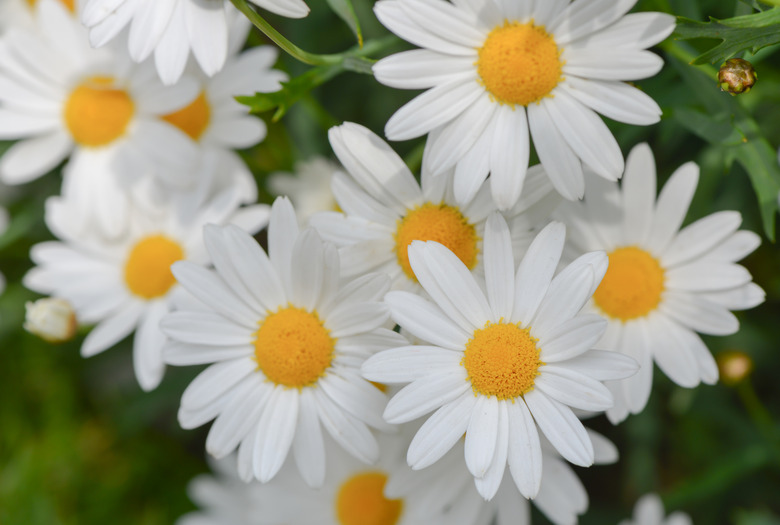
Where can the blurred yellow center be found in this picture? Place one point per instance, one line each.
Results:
(519, 63)
(502, 360)
(436, 222)
(632, 286)
(148, 267)
(293, 348)
(67, 3)
(97, 113)
(361, 501)
(193, 119)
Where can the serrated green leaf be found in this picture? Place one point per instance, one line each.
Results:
(737, 34)
(725, 123)
(346, 11)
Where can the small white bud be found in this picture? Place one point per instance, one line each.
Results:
(52, 319)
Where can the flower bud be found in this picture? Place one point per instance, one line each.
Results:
(734, 366)
(736, 76)
(51, 319)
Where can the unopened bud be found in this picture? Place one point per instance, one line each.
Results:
(734, 366)
(737, 76)
(51, 319)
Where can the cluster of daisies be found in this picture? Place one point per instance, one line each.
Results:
(448, 332)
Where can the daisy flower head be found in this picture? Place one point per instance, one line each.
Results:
(501, 361)
(309, 187)
(664, 283)
(285, 339)
(385, 209)
(649, 510)
(171, 29)
(353, 494)
(63, 98)
(500, 74)
(126, 284)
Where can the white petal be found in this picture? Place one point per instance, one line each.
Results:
(481, 435)
(525, 451)
(672, 206)
(440, 432)
(275, 432)
(573, 388)
(409, 363)
(425, 320)
(112, 330)
(561, 427)
(509, 154)
(308, 445)
(499, 267)
(427, 394)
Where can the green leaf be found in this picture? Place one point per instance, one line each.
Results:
(737, 34)
(725, 123)
(292, 91)
(346, 12)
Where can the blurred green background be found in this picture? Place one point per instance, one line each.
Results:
(80, 443)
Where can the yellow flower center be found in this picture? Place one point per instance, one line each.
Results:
(436, 222)
(519, 63)
(148, 267)
(361, 501)
(69, 4)
(193, 119)
(293, 348)
(97, 113)
(632, 286)
(502, 360)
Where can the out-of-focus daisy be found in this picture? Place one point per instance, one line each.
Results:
(286, 341)
(501, 363)
(309, 187)
(664, 283)
(22, 13)
(126, 284)
(173, 28)
(51, 318)
(351, 495)
(62, 97)
(450, 487)
(386, 209)
(499, 70)
(649, 510)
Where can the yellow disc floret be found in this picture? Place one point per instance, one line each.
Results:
(502, 360)
(293, 348)
(69, 4)
(148, 267)
(97, 113)
(193, 119)
(361, 501)
(436, 222)
(519, 63)
(632, 286)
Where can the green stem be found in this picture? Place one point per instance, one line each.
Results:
(683, 52)
(760, 415)
(353, 60)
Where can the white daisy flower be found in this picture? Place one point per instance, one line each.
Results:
(61, 97)
(664, 283)
(450, 487)
(500, 362)
(22, 13)
(386, 209)
(353, 494)
(649, 510)
(309, 187)
(173, 28)
(259, 310)
(126, 284)
(499, 69)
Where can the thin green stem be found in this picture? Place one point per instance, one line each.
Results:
(761, 417)
(352, 60)
(683, 52)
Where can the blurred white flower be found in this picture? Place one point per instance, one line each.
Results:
(308, 188)
(51, 318)
(649, 510)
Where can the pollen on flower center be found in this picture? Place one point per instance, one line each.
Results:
(632, 286)
(519, 63)
(436, 222)
(293, 348)
(97, 113)
(148, 267)
(361, 501)
(502, 360)
(193, 119)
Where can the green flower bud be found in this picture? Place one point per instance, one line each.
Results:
(736, 76)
